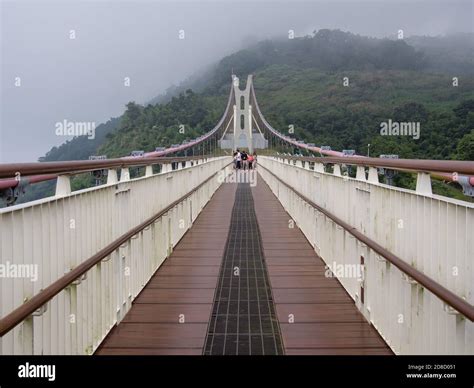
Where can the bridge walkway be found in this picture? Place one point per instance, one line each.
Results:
(279, 301)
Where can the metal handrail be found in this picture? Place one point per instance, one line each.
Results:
(22, 312)
(421, 165)
(80, 166)
(447, 296)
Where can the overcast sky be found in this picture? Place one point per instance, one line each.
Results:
(82, 79)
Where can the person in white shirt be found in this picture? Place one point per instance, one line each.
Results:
(238, 160)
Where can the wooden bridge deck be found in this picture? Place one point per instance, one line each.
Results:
(325, 318)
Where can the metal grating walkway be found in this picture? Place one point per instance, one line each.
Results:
(243, 319)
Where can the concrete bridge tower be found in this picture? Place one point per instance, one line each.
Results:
(245, 133)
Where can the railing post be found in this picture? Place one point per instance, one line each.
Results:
(27, 335)
(73, 318)
(423, 184)
(112, 176)
(318, 167)
(149, 170)
(124, 175)
(360, 173)
(63, 186)
(373, 176)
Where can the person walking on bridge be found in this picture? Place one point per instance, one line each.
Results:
(238, 160)
(245, 160)
(234, 156)
(250, 161)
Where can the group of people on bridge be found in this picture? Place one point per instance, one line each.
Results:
(244, 160)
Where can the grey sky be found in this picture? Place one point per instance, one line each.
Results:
(82, 79)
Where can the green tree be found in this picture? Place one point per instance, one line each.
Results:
(465, 148)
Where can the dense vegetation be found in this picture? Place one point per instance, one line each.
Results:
(144, 128)
(326, 112)
(300, 82)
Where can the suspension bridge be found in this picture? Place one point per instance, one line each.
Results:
(318, 253)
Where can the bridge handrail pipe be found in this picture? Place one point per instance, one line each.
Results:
(407, 165)
(8, 170)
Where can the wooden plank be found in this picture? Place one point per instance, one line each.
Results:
(193, 261)
(288, 246)
(157, 335)
(199, 246)
(304, 336)
(303, 281)
(190, 270)
(338, 351)
(175, 296)
(183, 282)
(169, 313)
(151, 351)
(306, 312)
(328, 329)
(296, 270)
(197, 253)
(294, 260)
(310, 295)
(287, 252)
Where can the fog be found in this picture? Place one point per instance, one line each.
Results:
(83, 61)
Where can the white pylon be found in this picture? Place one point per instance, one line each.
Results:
(242, 114)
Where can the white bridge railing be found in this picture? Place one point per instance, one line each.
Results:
(433, 234)
(48, 238)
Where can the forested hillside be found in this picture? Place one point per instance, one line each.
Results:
(326, 112)
(144, 128)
